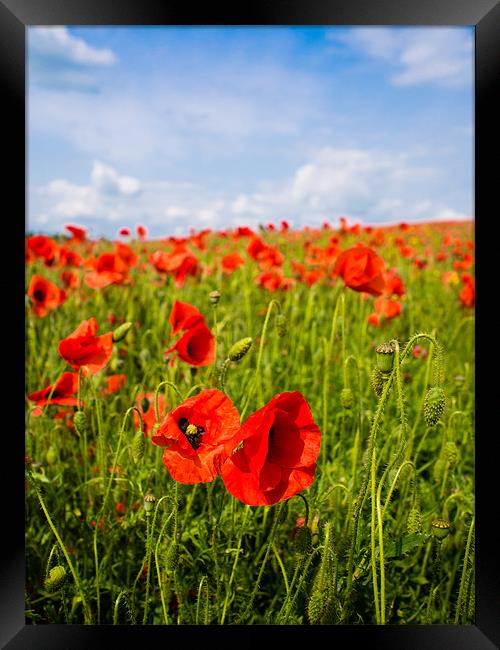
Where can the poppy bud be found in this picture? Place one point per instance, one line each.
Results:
(149, 501)
(441, 528)
(377, 381)
(385, 357)
(214, 297)
(451, 453)
(346, 398)
(138, 446)
(121, 332)
(80, 422)
(172, 558)
(51, 455)
(434, 404)
(239, 349)
(414, 521)
(281, 325)
(56, 578)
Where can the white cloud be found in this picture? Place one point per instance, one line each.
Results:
(443, 56)
(58, 43)
(106, 180)
(370, 186)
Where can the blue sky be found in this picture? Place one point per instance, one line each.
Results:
(179, 127)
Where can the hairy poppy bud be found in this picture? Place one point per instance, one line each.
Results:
(149, 501)
(281, 325)
(121, 332)
(80, 422)
(346, 398)
(138, 446)
(239, 349)
(385, 357)
(451, 453)
(56, 578)
(414, 521)
(377, 381)
(434, 403)
(441, 528)
(214, 297)
(172, 558)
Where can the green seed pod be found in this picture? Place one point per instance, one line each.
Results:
(347, 398)
(149, 501)
(281, 325)
(385, 357)
(214, 297)
(451, 453)
(434, 404)
(441, 528)
(121, 332)
(414, 521)
(80, 422)
(138, 447)
(51, 455)
(172, 558)
(239, 349)
(377, 381)
(56, 578)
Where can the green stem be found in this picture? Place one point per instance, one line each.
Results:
(86, 611)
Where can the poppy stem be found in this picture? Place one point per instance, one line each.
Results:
(277, 512)
(251, 391)
(86, 609)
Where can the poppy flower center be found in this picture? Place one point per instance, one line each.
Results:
(39, 295)
(192, 432)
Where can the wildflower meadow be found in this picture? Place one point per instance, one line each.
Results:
(251, 426)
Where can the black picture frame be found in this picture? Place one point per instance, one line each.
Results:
(15, 17)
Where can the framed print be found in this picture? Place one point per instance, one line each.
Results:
(251, 241)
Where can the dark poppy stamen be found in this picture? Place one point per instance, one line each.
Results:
(192, 432)
(39, 295)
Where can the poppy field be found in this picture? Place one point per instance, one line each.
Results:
(251, 426)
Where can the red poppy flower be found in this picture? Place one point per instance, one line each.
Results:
(84, 348)
(145, 402)
(114, 383)
(231, 262)
(124, 232)
(273, 456)
(41, 246)
(256, 246)
(361, 269)
(79, 233)
(110, 268)
(67, 257)
(387, 307)
(183, 316)
(45, 295)
(467, 294)
(179, 262)
(142, 231)
(196, 346)
(65, 386)
(70, 279)
(195, 435)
